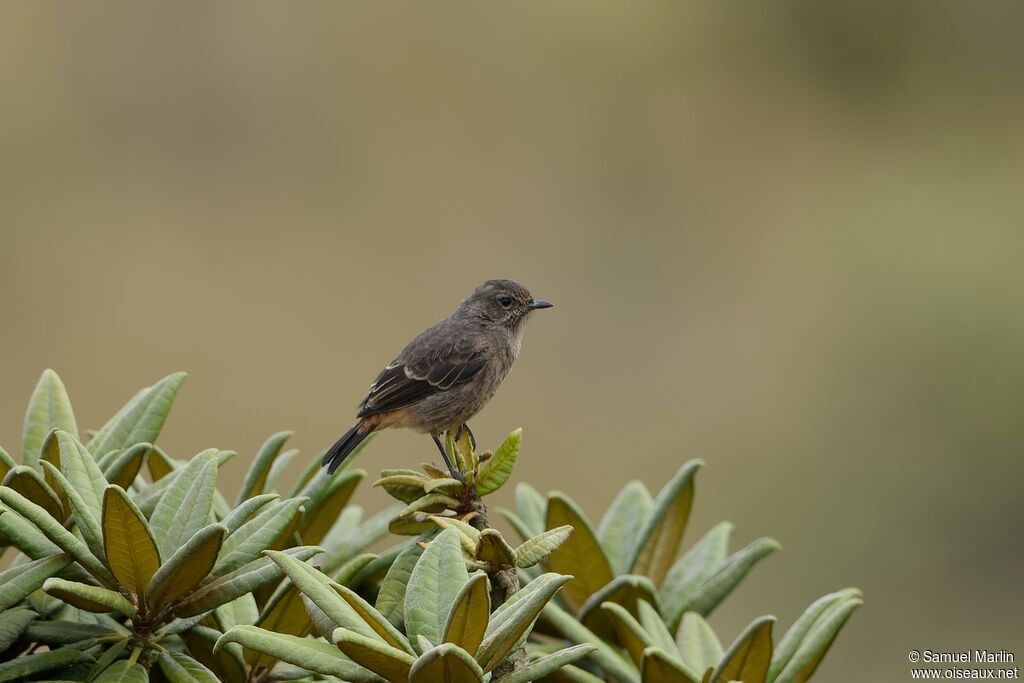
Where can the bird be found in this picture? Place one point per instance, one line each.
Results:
(447, 373)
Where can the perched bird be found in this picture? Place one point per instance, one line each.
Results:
(447, 373)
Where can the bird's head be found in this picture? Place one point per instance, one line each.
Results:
(503, 302)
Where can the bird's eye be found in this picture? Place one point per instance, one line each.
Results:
(505, 301)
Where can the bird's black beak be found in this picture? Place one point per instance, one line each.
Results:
(539, 303)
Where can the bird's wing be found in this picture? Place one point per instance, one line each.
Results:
(403, 383)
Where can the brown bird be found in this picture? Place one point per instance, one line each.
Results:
(448, 372)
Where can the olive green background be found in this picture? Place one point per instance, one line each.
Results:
(782, 238)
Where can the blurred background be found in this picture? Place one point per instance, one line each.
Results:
(785, 240)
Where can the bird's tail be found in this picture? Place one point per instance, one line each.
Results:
(345, 446)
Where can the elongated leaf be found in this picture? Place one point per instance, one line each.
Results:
(245, 511)
(748, 658)
(580, 555)
(281, 464)
(48, 409)
(141, 420)
(6, 463)
(319, 588)
(90, 598)
(391, 597)
(180, 668)
(728, 577)
(246, 578)
(187, 567)
(64, 632)
(515, 617)
(699, 647)
(658, 541)
(692, 570)
(492, 550)
(533, 550)
(658, 665)
(18, 531)
(13, 623)
(313, 655)
(123, 672)
(185, 506)
(387, 662)
(630, 633)
(131, 550)
(123, 468)
(256, 477)
(604, 656)
(226, 662)
(21, 580)
(468, 618)
(531, 507)
(286, 613)
(28, 482)
(805, 644)
(621, 524)
(160, 464)
(446, 662)
(80, 468)
(26, 666)
(88, 521)
(343, 542)
(374, 619)
(652, 623)
(258, 534)
(623, 590)
(469, 536)
(406, 487)
(434, 584)
(548, 664)
(53, 531)
(322, 510)
(499, 468)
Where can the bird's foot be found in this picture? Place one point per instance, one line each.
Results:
(452, 469)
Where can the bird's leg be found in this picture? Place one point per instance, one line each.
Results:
(472, 437)
(456, 474)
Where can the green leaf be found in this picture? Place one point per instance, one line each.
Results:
(21, 580)
(658, 665)
(226, 662)
(492, 550)
(469, 535)
(748, 658)
(652, 623)
(547, 665)
(246, 578)
(24, 535)
(658, 541)
(624, 590)
(90, 598)
(391, 597)
(256, 478)
(631, 634)
(805, 644)
(343, 541)
(123, 672)
(123, 468)
(605, 656)
(405, 487)
(79, 467)
(65, 632)
(185, 507)
(535, 549)
(245, 511)
(698, 645)
(374, 619)
(24, 667)
(581, 555)
(285, 612)
(498, 469)
(13, 623)
(531, 507)
(241, 610)
(54, 531)
(160, 464)
(447, 662)
(469, 615)
(258, 534)
(692, 570)
(131, 550)
(515, 617)
(309, 654)
(6, 463)
(28, 482)
(48, 409)
(728, 577)
(180, 668)
(323, 509)
(387, 662)
(87, 520)
(434, 584)
(141, 419)
(187, 567)
(621, 524)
